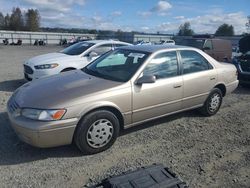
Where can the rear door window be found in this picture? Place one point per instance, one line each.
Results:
(102, 49)
(193, 62)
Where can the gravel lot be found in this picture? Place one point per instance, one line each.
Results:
(205, 152)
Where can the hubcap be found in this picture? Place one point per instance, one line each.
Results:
(214, 102)
(100, 133)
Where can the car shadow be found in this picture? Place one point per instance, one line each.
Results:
(13, 151)
(11, 85)
(159, 121)
(242, 90)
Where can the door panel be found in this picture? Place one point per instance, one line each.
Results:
(151, 100)
(156, 99)
(197, 87)
(199, 77)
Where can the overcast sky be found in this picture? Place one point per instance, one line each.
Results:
(164, 16)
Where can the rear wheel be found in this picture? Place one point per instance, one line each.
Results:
(97, 132)
(213, 103)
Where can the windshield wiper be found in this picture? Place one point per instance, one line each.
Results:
(100, 75)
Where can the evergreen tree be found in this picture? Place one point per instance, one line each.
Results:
(185, 29)
(1, 21)
(16, 20)
(225, 30)
(32, 20)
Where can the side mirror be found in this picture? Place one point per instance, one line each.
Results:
(146, 79)
(93, 54)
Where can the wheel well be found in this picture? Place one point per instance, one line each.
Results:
(113, 110)
(222, 87)
(68, 69)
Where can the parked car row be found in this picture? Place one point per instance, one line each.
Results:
(242, 60)
(73, 57)
(161, 42)
(116, 86)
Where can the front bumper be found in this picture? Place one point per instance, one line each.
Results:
(44, 134)
(37, 74)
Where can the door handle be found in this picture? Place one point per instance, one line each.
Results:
(212, 78)
(177, 85)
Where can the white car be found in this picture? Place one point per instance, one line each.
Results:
(73, 57)
(167, 42)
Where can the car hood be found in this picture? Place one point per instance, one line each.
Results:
(50, 58)
(61, 91)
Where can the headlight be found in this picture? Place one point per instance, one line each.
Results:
(43, 115)
(46, 66)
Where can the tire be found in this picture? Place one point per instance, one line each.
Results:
(68, 69)
(97, 132)
(213, 103)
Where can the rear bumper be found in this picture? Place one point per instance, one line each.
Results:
(232, 86)
(44, 134)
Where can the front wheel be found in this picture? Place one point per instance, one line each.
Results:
(97, 132)
(213, 103)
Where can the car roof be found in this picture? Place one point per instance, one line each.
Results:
(153, 48)
(104, 41)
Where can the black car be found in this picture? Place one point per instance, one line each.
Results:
(243, 66)
(242, 62)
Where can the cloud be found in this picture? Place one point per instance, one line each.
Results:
(55, 13)
(208, 23)
(145, 28)
(144, 13)
(162, 6)
(179, 17)
(116, 13)
(97, 19)
(55, 5)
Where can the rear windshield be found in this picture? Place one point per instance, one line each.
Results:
(196, 43)
(77, 49)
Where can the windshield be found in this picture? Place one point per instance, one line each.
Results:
(77, 49)
(118, 65)
(196, 43)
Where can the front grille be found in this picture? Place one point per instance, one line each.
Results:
(27, 77)
(28, 70)
(245, 66)
(12, 105)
